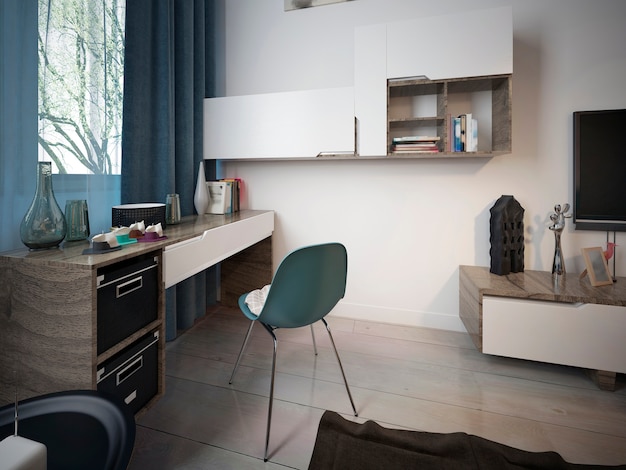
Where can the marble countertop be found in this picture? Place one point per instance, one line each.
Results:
(71, 253)
(539, 285)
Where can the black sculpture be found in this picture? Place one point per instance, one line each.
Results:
(507, 236)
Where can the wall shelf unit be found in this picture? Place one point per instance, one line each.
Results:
(419, 106)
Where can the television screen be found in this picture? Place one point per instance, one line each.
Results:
(600, 170)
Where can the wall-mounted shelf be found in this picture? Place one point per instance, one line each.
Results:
(419, 106)
(367, 158)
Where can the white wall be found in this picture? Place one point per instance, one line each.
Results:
(408, 225)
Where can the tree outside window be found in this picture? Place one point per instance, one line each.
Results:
(81, 72)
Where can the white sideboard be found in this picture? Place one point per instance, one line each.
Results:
(527, 315)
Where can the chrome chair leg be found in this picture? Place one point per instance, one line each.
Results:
(269, 411)
(313, 336)
(243, 347)
(332, 341)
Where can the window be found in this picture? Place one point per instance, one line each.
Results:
(81, 73)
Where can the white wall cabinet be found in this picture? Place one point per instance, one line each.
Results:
(280, 125)
(469, 44)
(353, 120)
(370, 89)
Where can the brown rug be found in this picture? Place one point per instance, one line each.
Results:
(343, 444)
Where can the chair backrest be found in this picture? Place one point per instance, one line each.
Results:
(307, 285)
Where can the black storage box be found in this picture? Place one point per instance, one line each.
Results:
(132, 374)
(128, 297)
(127, 214)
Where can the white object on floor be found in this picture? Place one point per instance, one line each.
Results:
(19, 453)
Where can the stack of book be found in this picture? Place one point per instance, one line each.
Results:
(465, 132)
(415, 144)
(224, 196)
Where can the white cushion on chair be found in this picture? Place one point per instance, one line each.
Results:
(256, 299)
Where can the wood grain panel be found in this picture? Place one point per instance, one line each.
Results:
(250, 269)
(47, 320)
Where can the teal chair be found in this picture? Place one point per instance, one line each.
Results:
(307, 285)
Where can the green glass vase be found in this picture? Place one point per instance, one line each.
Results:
(44, 224)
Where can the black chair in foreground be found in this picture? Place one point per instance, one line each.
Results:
(81, 429)
(306, 287)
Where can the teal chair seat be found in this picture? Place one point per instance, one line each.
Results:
(306, 287)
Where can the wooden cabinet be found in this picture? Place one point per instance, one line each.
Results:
(72, 321)
(425, 107)
(49, 321)
(528, 315)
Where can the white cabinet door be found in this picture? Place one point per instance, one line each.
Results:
(370, 89)
(467, 44)
(580, 335)
(280, 125)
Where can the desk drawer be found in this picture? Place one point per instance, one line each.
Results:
(127, 299)
(132, 374)
(184, 259)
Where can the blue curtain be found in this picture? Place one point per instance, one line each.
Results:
(168, 72)
(18, 108)
(18, 133)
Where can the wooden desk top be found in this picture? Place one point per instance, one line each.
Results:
(539, 285)
(70, 253)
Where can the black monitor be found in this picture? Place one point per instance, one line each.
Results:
(600, 170)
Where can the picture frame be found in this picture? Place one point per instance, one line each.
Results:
(597, 267)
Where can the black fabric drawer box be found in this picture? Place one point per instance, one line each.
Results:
(132, 374)
(128, 297)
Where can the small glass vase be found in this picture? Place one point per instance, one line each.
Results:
(44, 224)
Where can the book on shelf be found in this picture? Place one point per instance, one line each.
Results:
(416, 138)
(474, 137)
(235, 189)
(456, 123)
(415, 144)
(465, 132)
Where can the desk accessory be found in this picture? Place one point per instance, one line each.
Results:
(44, 225)
(201, 195)
(77, 218)
(172, 209)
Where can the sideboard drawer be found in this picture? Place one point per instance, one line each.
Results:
(581, 335)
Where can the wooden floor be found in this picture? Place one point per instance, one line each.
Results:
(410, 378)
